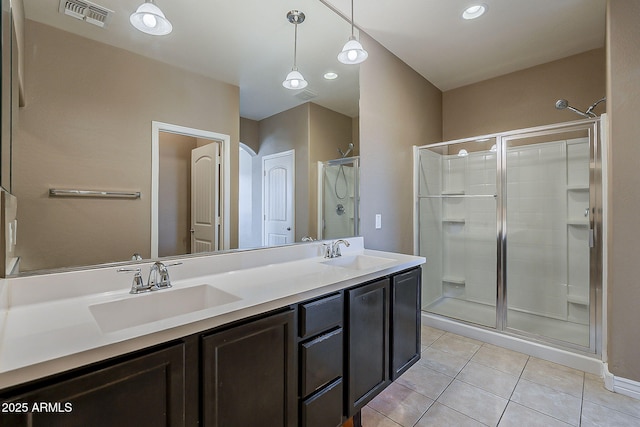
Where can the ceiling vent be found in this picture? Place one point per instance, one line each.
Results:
(86, 11)
(306, 94)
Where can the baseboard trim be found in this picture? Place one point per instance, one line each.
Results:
(621, 385)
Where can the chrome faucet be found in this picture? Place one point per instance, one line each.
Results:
(158, 278)
(159, 275)
(332, 250)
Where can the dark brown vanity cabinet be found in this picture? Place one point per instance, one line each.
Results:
(321, 357)
(249, 374)
(405, 321)
(367, 343)
(383, 335)
(148, 390)
(313, 364)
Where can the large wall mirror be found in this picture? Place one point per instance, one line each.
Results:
(89, 95)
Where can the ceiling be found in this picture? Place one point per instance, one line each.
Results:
(432, 38)
(249, 43)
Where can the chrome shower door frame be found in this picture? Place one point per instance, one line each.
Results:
(595, 229)
(597, 144)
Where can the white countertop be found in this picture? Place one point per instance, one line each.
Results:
(46, 325)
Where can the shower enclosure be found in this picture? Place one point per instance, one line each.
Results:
(510, 225)
(338, 198)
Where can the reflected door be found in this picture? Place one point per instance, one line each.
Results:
(205, 207)
(278, 198)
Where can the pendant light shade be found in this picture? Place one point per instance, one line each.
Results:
(352, 52)
(294, 79)
(149, 19)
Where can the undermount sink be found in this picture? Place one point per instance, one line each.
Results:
(150, 307)
(357, 262)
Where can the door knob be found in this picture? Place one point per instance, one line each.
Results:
(288, 228)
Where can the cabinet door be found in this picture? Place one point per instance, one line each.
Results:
(368, 343)
(145, 391)
(249, 374)
(405, 321)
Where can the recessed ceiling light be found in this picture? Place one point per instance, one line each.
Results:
(475, 11)
(330, 76)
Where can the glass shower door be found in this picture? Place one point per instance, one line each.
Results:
(548, 233)
(458, 230)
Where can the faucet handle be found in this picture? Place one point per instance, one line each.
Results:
(163, 271)
(137, 286)
(327, 250)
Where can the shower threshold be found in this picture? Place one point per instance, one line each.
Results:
(485, 315)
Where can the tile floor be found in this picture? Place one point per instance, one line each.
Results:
(463, 382)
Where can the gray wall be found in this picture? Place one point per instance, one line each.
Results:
(398, 109)
(623, 94)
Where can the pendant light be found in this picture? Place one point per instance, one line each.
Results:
(294, 79)
(352, 52)
(149, 19)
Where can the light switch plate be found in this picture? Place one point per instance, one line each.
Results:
(378, 221)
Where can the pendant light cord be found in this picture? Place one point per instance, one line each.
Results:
(353, 33)
(295, 46)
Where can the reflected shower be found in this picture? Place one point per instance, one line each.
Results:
(562, 104)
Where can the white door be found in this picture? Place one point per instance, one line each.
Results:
(205, 206)
(278, 198)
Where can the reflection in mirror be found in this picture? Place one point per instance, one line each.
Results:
(92, 93)
(338, 194)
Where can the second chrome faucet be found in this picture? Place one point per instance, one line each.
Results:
(158, 278)
(332, 250)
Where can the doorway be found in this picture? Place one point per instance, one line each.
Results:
(166, 192)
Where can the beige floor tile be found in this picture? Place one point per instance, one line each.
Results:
(450, 343)
(428, 335)
(558, 377)
(401, 404)
(440, 361)
(463, 338)
(474, 402)
(439, 415)
(488, 379)
(520, 416)
(508, 361)
(425, 381)
(595, 392)
(373, 418)
(554, 403)
(594, 415)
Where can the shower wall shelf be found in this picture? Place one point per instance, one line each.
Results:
(453, 193)
(578, 299)
(578, 222)
(578, 188)
(454, 220)
(454, 280)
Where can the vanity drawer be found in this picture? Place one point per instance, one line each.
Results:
(320, 315)
(323, 409)
(320, 361)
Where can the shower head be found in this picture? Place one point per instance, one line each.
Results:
(562, 104)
